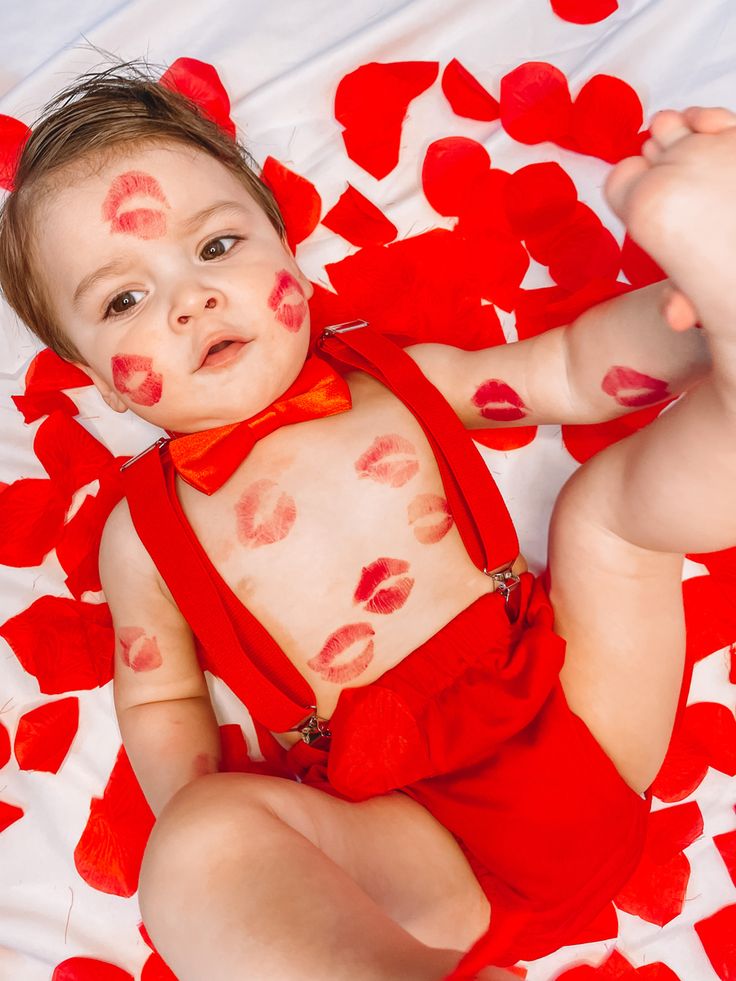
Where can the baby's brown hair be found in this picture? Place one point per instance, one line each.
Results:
(124, 104)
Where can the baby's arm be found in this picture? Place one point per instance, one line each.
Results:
(165, 715)
(614, 358)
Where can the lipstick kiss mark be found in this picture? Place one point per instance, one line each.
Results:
(497, 400)
(138, 651)
(390, 459)
(633, 389)
(144, 223)
(265, 514)
(392, 597)
(338, 642)
(430, 517)
(287, 300)
(132, 375)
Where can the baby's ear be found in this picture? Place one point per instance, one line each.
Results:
(109, 394)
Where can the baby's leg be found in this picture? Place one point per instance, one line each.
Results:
(257, 877)
(625, 519)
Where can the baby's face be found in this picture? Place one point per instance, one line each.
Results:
(156, 258)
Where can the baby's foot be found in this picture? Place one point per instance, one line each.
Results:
(678, 201)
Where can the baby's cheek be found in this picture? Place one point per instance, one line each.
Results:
(288, 302)
(133, 375)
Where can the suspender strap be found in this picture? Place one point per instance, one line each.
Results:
(476, 503)
(181, 565)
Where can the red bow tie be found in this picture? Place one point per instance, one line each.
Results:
(208, 458)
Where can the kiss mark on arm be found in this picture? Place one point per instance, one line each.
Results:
(264, 514)
(633, 389)
(390, 598)
(430, 518)
(145, 223)
(357, 636)
(138, 651)
(132, 375)
(390, 459)
(498, 401)
(288, 302)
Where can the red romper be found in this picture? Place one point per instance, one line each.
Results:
(473, 724)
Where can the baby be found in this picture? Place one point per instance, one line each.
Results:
(456, 757)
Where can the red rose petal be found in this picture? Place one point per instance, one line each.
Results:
(31, 516)
(484, 209)
(535, 103)
(614, 968)
(583, 442)
(704, 736)
(638, 266)
(13, 137)
(584, 11)
(546, 244)
(358, 220)
(726, 845)
(538, 196)
(77, 548)
(606, 117)
(466, 95)
(66, 644)
(200, 83)
(723, 561)
(47, 372)
(710, 613)
(297, 198)
(717, 934)
(495, 266)
(4, 745)
(452, 167)
(45, 735)
(109, 853)
(156, 969)
(89, 969)
(371, 103)
(585, 251)
(9, 814)
(507, 438)
(603, 927)
(32, 407)
(70, 455)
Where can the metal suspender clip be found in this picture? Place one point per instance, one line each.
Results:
(506, 581)
(154, 446)
(312, 728)
(342, 328)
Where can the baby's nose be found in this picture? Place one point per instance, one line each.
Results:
(210, 304)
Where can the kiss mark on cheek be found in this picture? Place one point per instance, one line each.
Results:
(390, 459)
(288, 302)
(498, 401)
(353, 635)
(393, 596)
(138, 651)
(633, 389)
(145, 223)
(430, 518)
(264, 514)
(132, 375)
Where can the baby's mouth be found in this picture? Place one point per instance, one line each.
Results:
(222, 352)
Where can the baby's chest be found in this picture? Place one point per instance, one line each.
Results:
(338, 537)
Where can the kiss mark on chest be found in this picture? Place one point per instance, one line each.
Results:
(430, 518)
(264, 514)
(353, 638)
(390, 459)
(378, 598)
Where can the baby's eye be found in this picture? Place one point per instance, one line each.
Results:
(123, 302)
(219, 246)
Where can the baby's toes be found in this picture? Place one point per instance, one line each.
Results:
(709, 120)
(667, 127)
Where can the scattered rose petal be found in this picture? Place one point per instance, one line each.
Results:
(156, 969)
(704, 736)
(4, 745)
(89, 969)
(535, 103)
(466, 95)
(200, 83)
(358, 220)
(484, 210)
(109, 853)
(606, 117)
(32, 407)
(45, 734)
(722, 562)
(31, 517)
(48, 372)
(710, 613)
(371, 103)
(66, 644)
(538, 196)
(70, 455)
(9, 814)
(297, 198)
(584, 11)
(726, 845)
(583, 442)
(451, 169)
(13, 137)
(78, 545)
(505, 438)
(717, 934)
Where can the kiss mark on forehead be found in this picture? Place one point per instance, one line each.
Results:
(288, 302)
(132, 375)
(146, 223)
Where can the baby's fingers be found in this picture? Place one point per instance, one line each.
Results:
(678, 311)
